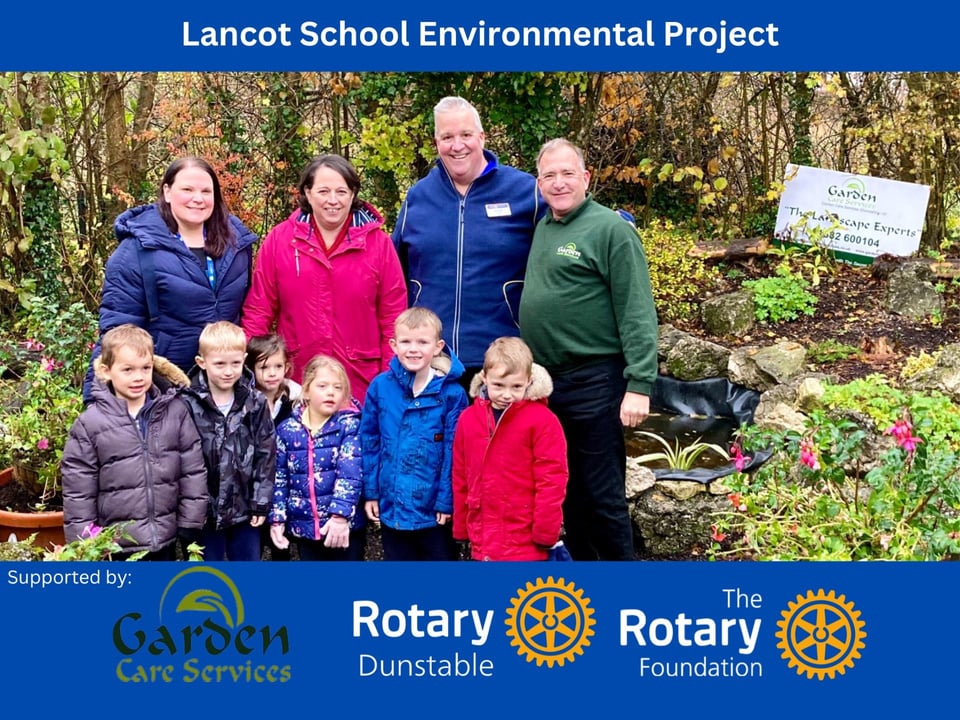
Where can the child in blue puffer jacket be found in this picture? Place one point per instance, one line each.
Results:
(409, 418)
(318, 483)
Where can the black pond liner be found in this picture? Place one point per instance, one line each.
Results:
(696, 404)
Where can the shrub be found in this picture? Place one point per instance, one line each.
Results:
(781, 297)
(677, 278)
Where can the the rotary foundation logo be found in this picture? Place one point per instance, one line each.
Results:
(821, 634)
(550, 621)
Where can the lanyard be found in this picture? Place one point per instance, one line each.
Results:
(211, 273)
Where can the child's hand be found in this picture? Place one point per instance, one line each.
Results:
(372, 508)
(336, 532)
(257, 520)
(278, 538)
(443, 518)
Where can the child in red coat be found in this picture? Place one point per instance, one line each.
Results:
(509, 460)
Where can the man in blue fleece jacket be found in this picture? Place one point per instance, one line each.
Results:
(463, 235)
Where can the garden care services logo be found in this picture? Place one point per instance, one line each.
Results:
(851, 193)
(569, 250)
(821, 634)
(550, 622)
(201, 637)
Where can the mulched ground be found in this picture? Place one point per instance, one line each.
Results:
(850, 310)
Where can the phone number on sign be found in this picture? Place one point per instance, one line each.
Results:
(860, 240)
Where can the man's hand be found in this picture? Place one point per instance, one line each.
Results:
(634, 409)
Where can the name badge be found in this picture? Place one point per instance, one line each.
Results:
(498, 210)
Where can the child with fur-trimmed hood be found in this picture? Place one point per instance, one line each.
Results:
(133, 456)
(509, 460)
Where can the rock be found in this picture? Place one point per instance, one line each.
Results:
(910, 291)
(729, 314)
(695, 359)
(668, 527)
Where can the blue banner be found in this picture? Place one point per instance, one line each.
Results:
(747, 640)
(497, 35)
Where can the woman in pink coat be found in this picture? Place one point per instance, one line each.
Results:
(328, 279)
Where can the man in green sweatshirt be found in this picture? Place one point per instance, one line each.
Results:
(587, 313)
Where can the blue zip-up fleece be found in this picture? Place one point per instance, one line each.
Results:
(186, 302)
(464, 257)
(239, 449)
(336, 473)
(408, 443)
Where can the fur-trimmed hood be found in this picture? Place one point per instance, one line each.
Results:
(540, 388)
(165, 373)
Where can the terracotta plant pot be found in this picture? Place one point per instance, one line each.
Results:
(47, 524)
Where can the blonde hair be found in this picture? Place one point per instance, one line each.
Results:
(127, 335)
(418, 317)
(510, 352)
(221, 336)
(325, 362)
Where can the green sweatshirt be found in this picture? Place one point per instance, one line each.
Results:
(587, 295)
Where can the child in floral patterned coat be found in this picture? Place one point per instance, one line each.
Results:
(318, 482)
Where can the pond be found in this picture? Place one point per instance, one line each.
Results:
(684, 431)
(705, 411)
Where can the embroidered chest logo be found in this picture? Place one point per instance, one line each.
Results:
(569, 250)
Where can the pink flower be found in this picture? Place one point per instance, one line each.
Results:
(716, 535)
(808, 455)
(49, 364)
(910, 444)
(43, 444)
(91, 531)
(739, 459)
(902, 431)
(33, 345)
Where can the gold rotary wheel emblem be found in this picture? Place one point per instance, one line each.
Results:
(820, 634)
(550, 621)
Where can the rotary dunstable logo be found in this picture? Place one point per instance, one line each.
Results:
(549, 621)
(821, 634)
(201, 636)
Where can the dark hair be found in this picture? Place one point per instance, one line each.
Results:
(339, 165)
(219, 233)
(260, 347)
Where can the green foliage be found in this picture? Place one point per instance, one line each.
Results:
(830, 351)
(913, 365)
(64, 333)
(43, 398)
(677, 457)
(678, 279)
(903, 508)
(32, 162)
(806, 247)
(935, 416)
(95, 543)
(37, 413)
(782, 297)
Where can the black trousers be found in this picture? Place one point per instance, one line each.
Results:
(595, 515)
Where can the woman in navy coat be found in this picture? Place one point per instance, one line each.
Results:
(183, 261)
